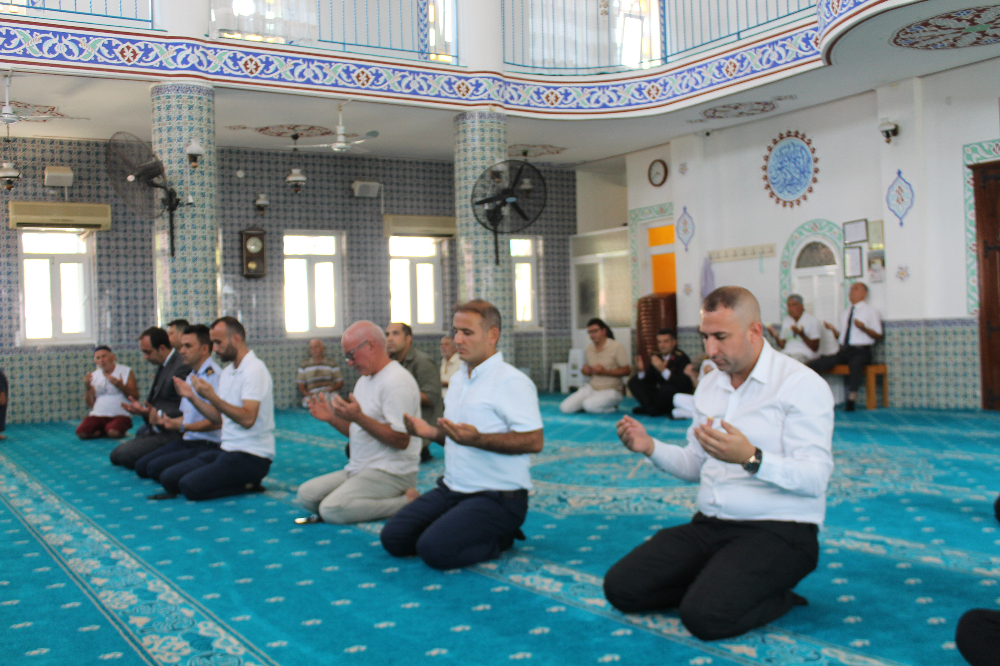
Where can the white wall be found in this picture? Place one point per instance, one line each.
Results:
(601, 202)
(723, 189)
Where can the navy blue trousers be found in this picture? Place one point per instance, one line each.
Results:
(978, 636)
(450, 530)
(217, 473)
(151, 465)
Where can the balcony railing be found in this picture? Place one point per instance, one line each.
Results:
(132, 13)
(603, 36)
(412, 29)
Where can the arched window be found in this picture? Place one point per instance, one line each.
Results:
(816, 277)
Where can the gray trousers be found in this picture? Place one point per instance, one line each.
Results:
(358, 497)
(127, 454)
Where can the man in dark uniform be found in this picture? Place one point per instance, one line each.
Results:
(655, 387)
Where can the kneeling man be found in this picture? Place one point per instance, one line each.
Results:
(760, 445)
(382, 472)
(491, 423)
(244, 405)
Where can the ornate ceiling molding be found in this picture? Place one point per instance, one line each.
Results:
(47, 47)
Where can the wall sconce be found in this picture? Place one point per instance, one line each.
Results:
(296, 179)
(194, 152)
(888, 130)
(9, 174)
(262, 203)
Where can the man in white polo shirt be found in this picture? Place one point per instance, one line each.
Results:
(491, 423)
(760, 446)
(384, 457)
(244, 405)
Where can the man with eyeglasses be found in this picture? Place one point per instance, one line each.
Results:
(380, 476)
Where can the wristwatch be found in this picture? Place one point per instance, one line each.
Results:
(752, 464)
(182, 428)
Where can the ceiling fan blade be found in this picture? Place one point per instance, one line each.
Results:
(315, 145)
(517, 209)
(373, 134)
(359, 150)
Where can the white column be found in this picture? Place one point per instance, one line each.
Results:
(182, 18)
(480, 35)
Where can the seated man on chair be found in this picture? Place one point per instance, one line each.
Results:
(860, 329)
(380, 477)
(244, 405)
(655, 388)
(761, 447)
(317, 374)
(800, 332)
(491, 423)
(196, 432)
(606, 364)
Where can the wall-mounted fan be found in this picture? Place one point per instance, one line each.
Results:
(135, 171)
(507, 198)
(343, 144)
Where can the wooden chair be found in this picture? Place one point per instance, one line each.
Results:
(871, 373)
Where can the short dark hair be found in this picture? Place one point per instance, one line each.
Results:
(667, 331)
(600, 322)
(179, 324)
(232, 325)
(157, 337)
(733, 298)
(103, 348)
(407, 330)
(486, 310)
(201, 331)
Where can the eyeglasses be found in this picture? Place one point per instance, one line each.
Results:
(349, 355)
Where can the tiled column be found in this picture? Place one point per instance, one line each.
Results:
(187, 283)
(481, 142)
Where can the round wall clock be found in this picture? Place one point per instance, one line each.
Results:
(657, 173)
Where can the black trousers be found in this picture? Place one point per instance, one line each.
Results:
(151, 465)
(657, 400)
(725, 577)
(977, 637)
(855, 356)
(128, 453)
(217, 473)
(450, 530)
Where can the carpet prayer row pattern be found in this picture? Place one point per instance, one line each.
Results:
(93, 572)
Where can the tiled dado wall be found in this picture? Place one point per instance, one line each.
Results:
(932, 363)
(45, 382)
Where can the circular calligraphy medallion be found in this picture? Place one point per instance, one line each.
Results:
(975, 26)
(790, 168)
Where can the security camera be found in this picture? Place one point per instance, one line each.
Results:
(888, 130)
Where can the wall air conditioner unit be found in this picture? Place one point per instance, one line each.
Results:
(418, 225)
(366, 189)
(59, 215)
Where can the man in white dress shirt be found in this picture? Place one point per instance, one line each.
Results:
(860, 328)
(491, 423)
(760, 445)
(800, 332)
(244, 405)
(380, 477)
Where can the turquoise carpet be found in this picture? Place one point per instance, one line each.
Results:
(92, 572)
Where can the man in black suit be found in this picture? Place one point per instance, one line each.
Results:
(163, 398)
(655, 387)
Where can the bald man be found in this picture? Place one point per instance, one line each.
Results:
(760, 445)
(380, 477)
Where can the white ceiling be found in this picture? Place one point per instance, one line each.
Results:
(863, 60)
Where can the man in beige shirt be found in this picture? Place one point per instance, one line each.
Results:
(606, 365)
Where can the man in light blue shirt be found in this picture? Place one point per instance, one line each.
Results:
(491, 423)
(199, 433)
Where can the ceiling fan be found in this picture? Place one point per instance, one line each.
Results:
(342, 144)
(8, 116)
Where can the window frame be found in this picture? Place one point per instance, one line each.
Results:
(339, 284)
(89, 261)
(534, 324)
(435, 261)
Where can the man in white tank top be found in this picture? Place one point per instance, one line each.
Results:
(105, 390)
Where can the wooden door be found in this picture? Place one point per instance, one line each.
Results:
(986, 181)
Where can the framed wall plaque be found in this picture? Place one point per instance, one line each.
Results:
(852, 262)
(855, 232)
(876, 241)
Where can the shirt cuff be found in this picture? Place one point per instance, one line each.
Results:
(642, 374)
(666, 375)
